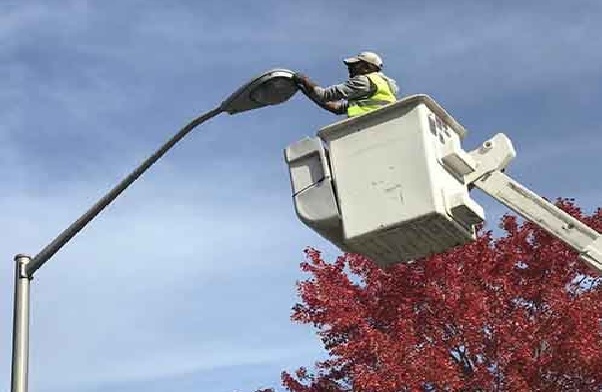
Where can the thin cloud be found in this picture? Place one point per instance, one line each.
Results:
(177, 362)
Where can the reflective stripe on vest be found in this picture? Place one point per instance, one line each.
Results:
(381, 97)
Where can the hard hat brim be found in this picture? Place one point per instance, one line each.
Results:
(352, 60)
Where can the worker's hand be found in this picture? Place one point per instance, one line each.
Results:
(299, 77)
(303, 81)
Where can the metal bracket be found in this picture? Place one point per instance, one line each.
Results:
(22, 263)
(494, 154)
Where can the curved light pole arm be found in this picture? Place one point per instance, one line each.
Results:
(26, 267)
(83, 220)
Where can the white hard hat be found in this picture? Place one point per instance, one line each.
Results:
(369, 57)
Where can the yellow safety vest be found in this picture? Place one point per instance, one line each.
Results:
(381, 97)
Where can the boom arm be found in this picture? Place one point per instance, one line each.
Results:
(490, 160)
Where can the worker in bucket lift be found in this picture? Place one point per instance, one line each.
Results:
(367, 88)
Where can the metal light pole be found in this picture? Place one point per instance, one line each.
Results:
(270, 88)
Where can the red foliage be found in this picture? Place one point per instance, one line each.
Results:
(518, 313)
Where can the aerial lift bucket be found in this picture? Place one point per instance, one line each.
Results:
(388, 184)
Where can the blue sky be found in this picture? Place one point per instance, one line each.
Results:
(187, 281)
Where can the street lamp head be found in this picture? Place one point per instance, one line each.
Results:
(271, 88)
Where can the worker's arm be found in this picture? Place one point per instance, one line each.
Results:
(355, 88)
(336, 107)
(334, 98)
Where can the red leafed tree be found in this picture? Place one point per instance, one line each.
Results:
(517, 313)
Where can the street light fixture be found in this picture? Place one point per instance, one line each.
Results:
(270, 88)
